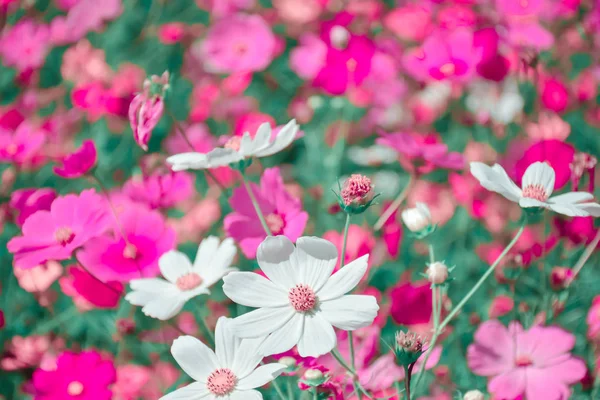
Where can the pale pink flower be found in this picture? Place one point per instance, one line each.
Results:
(223, 8)
(23, 145)
(29, 352)
(145, 110)
(25, 45)
(38, 279)
(282, 212)
(131, 380)
(360, 241)
(83, 63)
(309, 57)
(197, 221)
(357, 189)
(535, 363)
(90, 15)
(593, 320)
(299, 11)
(529, 34)
(438, 197)
(549, 126)
(413, 22)
(160, 190)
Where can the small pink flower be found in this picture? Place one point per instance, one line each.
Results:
(357, 189)
(25, 45)
(501, 305)
(413, 22)
(554, 95)
(74, 375)
(593, 320)
(282, 212)
(83, 63)
(21, 146)
(38, 279)
(145, 111)
(171, 33)
(549, 126)
(91, 97)
(556, 153)
(29, 352)
(28, 201)
(411, 304)
(160, 190)
(360, 242)
(131, 380)
(78, 163)
(250, 122)
(53, 235)
(309, 57)
(535, 363)
(197, 221)
(97, 293)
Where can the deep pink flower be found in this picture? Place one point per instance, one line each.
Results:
(147, 237)
(249, 122)
(282, 211)
(84, 375)
(171, 33)
(99, 294)
(11, 119)
(238, 43)
(78, 163)
(391, 233)
(554, 95)
(556, 153)
(411, 304)
(27, 201)
(91, 97)
(360, 242)
(25, 45)
(53, 235)
(535, 363)
(145, 111)
(160, 190)
(21, 146)
(578, 230)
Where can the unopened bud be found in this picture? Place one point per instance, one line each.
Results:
(289, 362)
(474, 395)
(560, 277)
(437, 273)
(356, 194)
(313, 375)
(339, 37)
(417, 219)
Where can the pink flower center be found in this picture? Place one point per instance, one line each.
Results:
(448, 69)
(64, 235)
(130, 252)
(351, 65)
(537, 192)
(302, 298)
(275, 223)
(240, 48)
(234, 143)
(221, 382)
(356, 188)
(189, 281)
(75, 388)
(12, 149)
(523, 361)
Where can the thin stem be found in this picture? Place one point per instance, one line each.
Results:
(278, 389)
(585, 256)
(206, 331)
(435, 309)
(395, 205)
(345, 241)
(431, 254)
(341, 361)
(407, 379)
(261, 217)
(315, 395)
(110, 203)
(290, 389)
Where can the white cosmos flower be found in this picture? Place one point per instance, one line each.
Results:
(300, 300)
(537, 186)
(163, 299)
(238, 148)
(228, 373)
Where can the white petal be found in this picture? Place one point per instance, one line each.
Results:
(318, 337)
(194, 357)
(527, 202)
(226, 343)
(140, 298)
(571, 197)
(539, 173)
(253, 290)
(183, 161)
(193, 391)
(247, 357)
(246, 395)
(213, 265)
(262, 138)
(261, 322)
(165, 307)
(572, 210)
(283, 139)
(246, 145)
(274, 256)
(153, 285)
(221, 157)
(173, 265)
(206, 251)
(316, 259)
(424, 208)
(350, 312)
(345, 279)
(496, 179)
(592, 209)
(261, 376)
(285, 338)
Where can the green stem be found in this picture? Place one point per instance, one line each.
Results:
(261, 217)
(338, 357)
(346, 227)
(394, 206)
(431, 254)
(278, 389)
(290, 389)
(315, 395)
(206, 331)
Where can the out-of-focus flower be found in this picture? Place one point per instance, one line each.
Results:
(560, 277)
(411, 22)
(21, 146)
(411, 303)
(559, 155)
(53, 235)
(98, 294)
(418, 218)
(30, 352)
(437, 273)
(501, 103)
(164, 298)
(197, 220)
(360, 242)
(83, 63)
(38, 279)
(146, 108)
(171, 33)
(141, 237)
(287, 297)
(593, 320)
(537, 186)
(535, 363)
(474, 395)
(501, 305)
(28, 201)
(228, 371)
(582, 163)
(554, 95)
(549, 126)
(282, 211)
(160, 190)
(75, 374)
(25, 45)
(78, 163)
(299, 11)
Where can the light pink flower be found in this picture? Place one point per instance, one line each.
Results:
(413, 22)
(25, 45)
(28, 201)
(53, 235)
(360, 242)
(438, 197)
(309, 57)
(83, 63)
(160, 190)
(282, 212)
(22, 145)
(222, 8)
(197, 221)
(131, 380)
(78, 163)
(145, 110)
(529, 34)
(237, 43)
(30, 352)
(38, 279)
(535, 363)
(299, 11)
(549, 126)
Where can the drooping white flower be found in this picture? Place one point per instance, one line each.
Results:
(228, 373)
(537, 186)
(164, 298)
(418, 218)
(300, 301)
(238, 148)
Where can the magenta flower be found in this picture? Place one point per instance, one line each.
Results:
(411, 304)
(78, 163)
(25, 45)
(53, 235)
(29, 201)
(282, 211)
(554, 95)
(535, 363)
(115, 258)
(21, 146)
(160, 190)
(77, 376)
(99, 294)
(559, 155)
(145, 111)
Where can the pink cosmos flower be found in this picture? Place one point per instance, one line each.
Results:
(556, 153)
(27, 201)
(118, 258)
(91, 97)
(85, 374)
(21, 146)
(25, 45)
(83, 63)
(549, 126)
(53, 235)
(145, 111)
(413, 22)
(251, 121)
(98, 294)
(197, 221)
(131, 379)
(309, 57)
(411, 304)
(38, 279)
(237, 43)
(282, 212)
(78, 163)
(554, 95)
(30, 352)
(535, 363)
(160, 190)
(360, 242)
(171, 33)
(437, 196)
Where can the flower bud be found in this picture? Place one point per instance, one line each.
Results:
(339, 37)
(560, 277)
(437, 273)
(313, 375)
(289, 362)
(356, 194)
(417, 219)
(474, 395)
(409, 347)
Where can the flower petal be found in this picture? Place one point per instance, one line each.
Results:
(253, 290)
(173, 265)
(592, 209)
(246, 395)
(274, 256)
(183, 161)
(214, 266)
(344, 280)
(261, 376)
(318, 337)
(262, 138)
(539, 173)
(193, 391)
(541, 385)
(526, 202)
(165, 307)
(572, 210)
(283, 139)
(194, 357)
(496, 179)
(261, 322)
(508, 385)
(571, 197)
(316, 259)
(350, 312)
(226, 343)
(221, 157)
(247, 357)
(285, 338)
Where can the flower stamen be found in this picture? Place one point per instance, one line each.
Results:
(536, 192)
(302, 298)
(221, 382)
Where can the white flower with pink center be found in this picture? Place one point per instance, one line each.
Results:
(300, 300)
(164, 298)
(264, 143)
(228, 373)
(537, 186)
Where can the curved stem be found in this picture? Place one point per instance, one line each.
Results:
(340, 360)
(394, 206)
(261, 217)
(585, 256)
